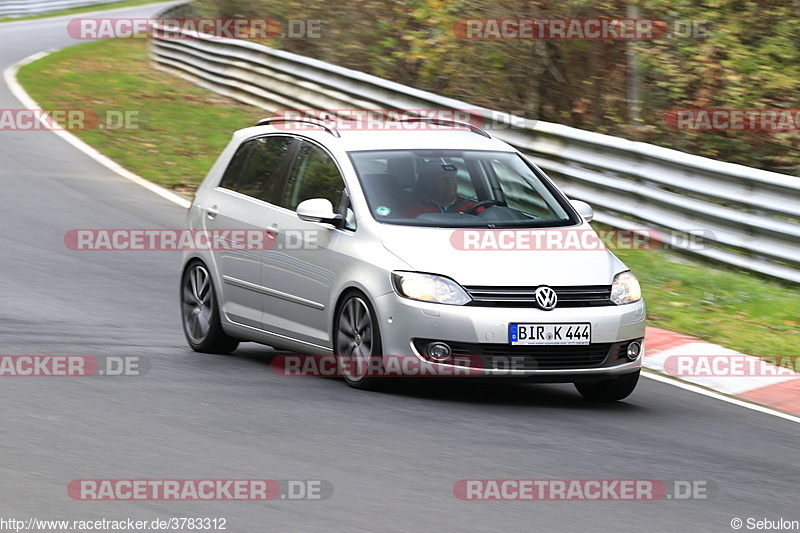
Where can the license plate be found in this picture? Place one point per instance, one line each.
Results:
(550, 333)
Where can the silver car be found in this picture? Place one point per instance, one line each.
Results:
(440, 245)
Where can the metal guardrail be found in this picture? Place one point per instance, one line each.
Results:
(23, 8)
(746, 217)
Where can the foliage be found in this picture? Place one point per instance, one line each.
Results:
(749, 60)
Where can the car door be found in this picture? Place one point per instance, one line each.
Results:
(300, 272)
(242, 203)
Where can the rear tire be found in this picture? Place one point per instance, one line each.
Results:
(200, 313)
(609, 390)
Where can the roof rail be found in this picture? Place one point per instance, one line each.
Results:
(445, 122)
(270, 120)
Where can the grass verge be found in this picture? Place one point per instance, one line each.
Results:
(177, 129)
(184, 128)
(77, 10)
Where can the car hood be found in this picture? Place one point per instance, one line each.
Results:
(475, 258)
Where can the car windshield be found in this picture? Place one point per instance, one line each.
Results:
(458, 188)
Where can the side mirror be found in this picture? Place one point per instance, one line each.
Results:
(318, 210)
(583, 209)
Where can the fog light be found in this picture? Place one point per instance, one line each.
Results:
(438, 351)
(634, 349)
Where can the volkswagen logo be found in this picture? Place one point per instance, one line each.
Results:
(546, 298)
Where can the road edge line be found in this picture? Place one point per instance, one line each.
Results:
(662, 378)
(10, 77)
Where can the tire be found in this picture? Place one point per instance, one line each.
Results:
(609, 390)
(200, 313)
(357, 344)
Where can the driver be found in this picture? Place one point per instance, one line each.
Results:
(437, 192)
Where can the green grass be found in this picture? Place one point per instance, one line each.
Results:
(77, 10)
(185, 127)
(181, 127)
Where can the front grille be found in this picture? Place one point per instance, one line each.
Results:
(578, 296)
(546, 357)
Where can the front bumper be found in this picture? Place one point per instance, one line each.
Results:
(479, 340)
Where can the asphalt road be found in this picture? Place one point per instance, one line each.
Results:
(391, 458)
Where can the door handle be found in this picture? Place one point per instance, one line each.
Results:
(212, 212)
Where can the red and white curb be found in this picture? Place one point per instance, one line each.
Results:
(770, 386)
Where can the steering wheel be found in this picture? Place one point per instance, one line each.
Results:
(471, 210)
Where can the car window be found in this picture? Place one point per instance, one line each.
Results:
(230, 179)
(256, 167)
(465, 186)
(314, 175)
(513, 193)
(520, 193)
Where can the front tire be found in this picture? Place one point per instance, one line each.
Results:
(357, 344)
(200, 313)
(609, 390)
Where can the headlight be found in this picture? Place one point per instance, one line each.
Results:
(625, 289)
(429, 288)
